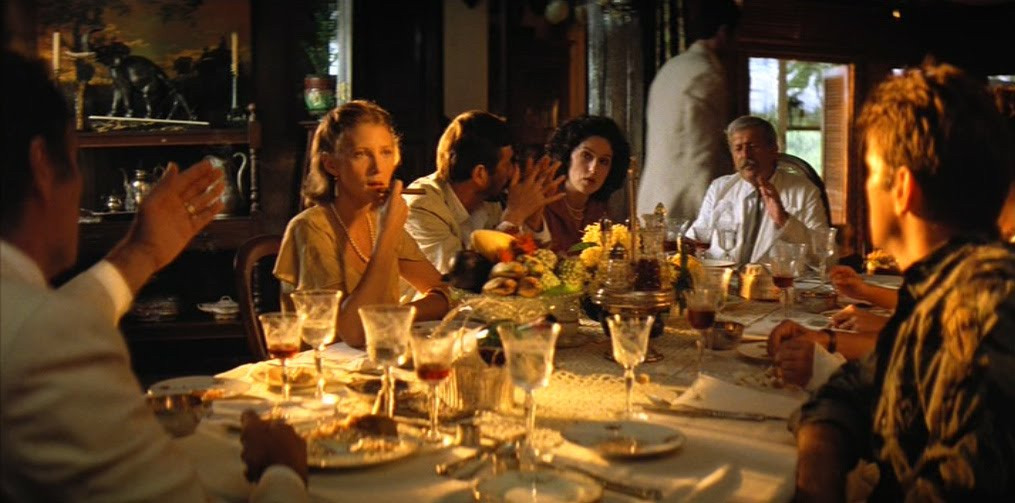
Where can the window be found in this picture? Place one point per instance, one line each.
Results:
(809, 104)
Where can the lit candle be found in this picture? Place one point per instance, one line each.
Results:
(235, 68)
(56, 53)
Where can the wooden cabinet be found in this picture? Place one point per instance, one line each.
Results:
(174, 343)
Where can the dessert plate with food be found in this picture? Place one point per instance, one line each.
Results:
(357, 442)
(207, 387)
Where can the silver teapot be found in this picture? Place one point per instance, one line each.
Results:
(138, 188)
(232, 195)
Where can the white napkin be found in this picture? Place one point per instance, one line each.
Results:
(825, 364)
(719, 485)
(708, 392)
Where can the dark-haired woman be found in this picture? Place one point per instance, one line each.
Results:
(594, 156)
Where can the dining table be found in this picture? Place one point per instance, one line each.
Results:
(739, 449)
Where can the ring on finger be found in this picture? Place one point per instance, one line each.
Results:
(190, 209)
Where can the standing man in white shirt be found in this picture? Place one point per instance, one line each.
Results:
(475, 164)
(767, 203)
(687, 108)
(76, 426)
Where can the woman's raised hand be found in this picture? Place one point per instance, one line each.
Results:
(394, 212)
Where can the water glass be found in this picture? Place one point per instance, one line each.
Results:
(318, 314)
(386, 328)
(629, 336)
(529, 349)
(823, 246)
(727, 241)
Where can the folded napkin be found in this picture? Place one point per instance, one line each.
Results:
(824, 365)
(708, 392)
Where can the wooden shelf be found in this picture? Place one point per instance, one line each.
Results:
(163, 138)
(221, 234)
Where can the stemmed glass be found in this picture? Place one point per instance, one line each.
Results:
(529, 349)
(432, 356)
(675, 229)
(318, 314)
(386, 328)
(702, 304)
(727, 240)
(784, 259)
(629, 335)
(702, 236)
(282, 336)
(823, 245)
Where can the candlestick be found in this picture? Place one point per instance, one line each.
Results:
(632, 205)
(235, 43)
(56, 53)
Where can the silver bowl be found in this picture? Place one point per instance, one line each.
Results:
(724, 335)
(179, 414)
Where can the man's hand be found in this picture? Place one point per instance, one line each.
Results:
(795, 360)
(179, 206)
(267, 443)
(847, 281)
(787, 330)
(773, 203)
(528, 194)
(851, 318)
(822, 464)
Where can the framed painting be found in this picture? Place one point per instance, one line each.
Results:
(178, 61)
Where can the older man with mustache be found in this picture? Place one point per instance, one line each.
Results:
(765, 202)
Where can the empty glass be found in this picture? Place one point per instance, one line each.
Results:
(702, 236)
(433, 352)
(386, 328)
(318, 314)
(282, 336)
(702, 304)
(529, 349)
(823, 246)
(629, 335)
(727, 241)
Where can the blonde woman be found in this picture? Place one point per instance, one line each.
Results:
(352, 237)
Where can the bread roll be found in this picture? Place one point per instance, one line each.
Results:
(529, 287)
(500, 286)
(513, 270)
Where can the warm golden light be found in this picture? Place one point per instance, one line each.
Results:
(897, 14)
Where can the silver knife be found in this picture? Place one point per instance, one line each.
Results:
(717, 414)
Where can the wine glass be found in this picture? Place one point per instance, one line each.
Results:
(702, 236)
(282, 336)
(386, 328)
(784, 259)
(529, 349)
(318, 314)
(823, 244)
(702, 303)
(727, 240)
(629, 335)
(432, 355)
(675, 229)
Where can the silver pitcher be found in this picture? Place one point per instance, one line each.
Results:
(140, 186)
(232, 194)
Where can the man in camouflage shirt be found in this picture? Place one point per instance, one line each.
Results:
(934, 405)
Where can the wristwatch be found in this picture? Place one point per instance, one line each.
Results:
(832, 342)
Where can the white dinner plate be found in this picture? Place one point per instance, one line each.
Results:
(357, 452)
(625, 439)
(715, 262)
(209, 386)
(548, 486)
(756, 351)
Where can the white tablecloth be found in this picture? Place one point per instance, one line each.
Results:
(755, 460)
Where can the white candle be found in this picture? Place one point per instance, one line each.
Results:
(56, 53)
(235, 39)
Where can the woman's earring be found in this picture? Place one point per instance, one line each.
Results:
(334, 185)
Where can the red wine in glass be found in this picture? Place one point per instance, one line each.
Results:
(701, 318)
(783, 281)
(702, 246)
(283, 350)
(433, 372)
